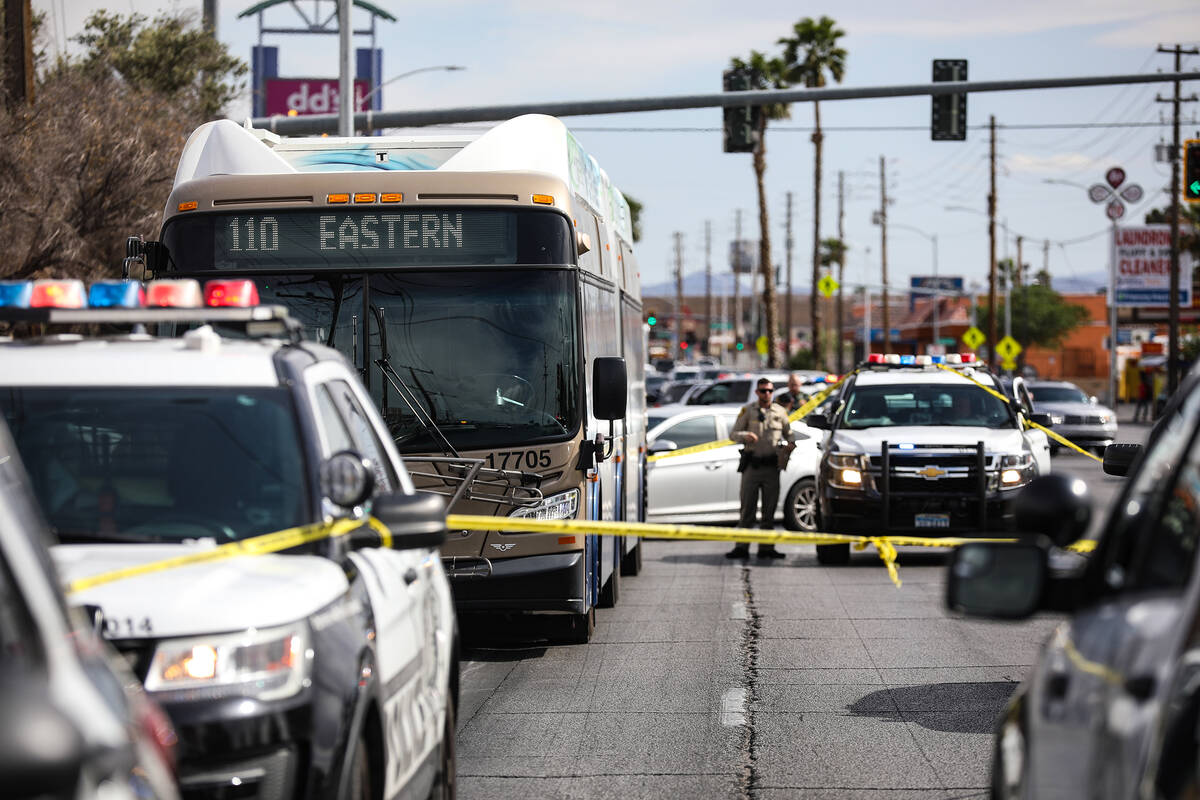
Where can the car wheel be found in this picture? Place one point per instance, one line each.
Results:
(445, 785)
(360, 772)
(800, 506)
(834, 555)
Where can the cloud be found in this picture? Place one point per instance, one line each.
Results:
(1153, 31)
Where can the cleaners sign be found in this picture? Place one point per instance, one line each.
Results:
(1143, 258)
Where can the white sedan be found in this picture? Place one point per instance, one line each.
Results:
(704, 486)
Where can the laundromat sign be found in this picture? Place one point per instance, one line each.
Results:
(1143, 259)
(309, 95)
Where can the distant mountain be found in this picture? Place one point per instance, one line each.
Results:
(722, 284)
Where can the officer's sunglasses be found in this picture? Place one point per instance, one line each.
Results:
(766, 391)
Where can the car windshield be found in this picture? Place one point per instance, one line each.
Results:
(927, 404)
(161, 464)
(1057, 394)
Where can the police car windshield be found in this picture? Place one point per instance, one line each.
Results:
(160, 464)
(930, 404)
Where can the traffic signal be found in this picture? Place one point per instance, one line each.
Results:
(651, 320)
(949, 118)
(741, 122)
(683, 345)
(741, 345)
(1191, 170)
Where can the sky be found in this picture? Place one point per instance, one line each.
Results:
(524, 51)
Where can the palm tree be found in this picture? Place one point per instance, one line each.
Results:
(765, 73)
(808, 54)
(833, 251)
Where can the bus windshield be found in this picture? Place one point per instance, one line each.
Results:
(490, 356)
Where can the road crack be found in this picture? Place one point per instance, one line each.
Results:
(748, 781)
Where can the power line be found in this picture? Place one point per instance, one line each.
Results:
(852, 128)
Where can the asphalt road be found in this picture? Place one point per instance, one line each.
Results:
(766, 680)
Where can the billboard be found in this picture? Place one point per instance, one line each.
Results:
(1142, 254)
(922, 286)
(309, 95)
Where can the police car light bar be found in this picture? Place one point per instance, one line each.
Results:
(178, 293)
(58, 294)
(231, 294)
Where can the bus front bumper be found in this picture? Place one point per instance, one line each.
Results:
(552, 582)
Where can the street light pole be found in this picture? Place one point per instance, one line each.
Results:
(362, 104)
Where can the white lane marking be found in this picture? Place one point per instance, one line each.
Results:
(733, 707)
(739, 610)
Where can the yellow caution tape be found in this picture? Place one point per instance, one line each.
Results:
(258, 545)
(1055, 436)
(885, 546)
(795, 416)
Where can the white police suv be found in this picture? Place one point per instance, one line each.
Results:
(923, 447)
(218, 498)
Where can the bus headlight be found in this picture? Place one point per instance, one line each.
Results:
(266, 664)
(563, 505)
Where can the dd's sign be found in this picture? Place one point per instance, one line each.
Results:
(309, 95)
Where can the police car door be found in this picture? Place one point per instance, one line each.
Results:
(399, 586)
(1039, 442)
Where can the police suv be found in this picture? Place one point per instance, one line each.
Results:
(317, 662)
(918, 445)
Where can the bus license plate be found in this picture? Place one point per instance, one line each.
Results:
(933, 521)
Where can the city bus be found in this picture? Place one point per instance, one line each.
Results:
(481, 286)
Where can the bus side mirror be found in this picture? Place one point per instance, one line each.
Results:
(609, 389)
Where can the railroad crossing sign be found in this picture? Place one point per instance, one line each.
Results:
(1008, 350)
(973, 337)
(828, 285)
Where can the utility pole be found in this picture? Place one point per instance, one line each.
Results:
(345, 71)
(707, 285)
(677, 328)
(1019, 279)
(841, 278)
(991, 201)
(787, 316)
(737, 278)
(1173, 313)
(18, 53)
(887, 326)
(1046, 259)
(209, 17)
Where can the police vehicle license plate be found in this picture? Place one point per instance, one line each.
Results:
(933, 521)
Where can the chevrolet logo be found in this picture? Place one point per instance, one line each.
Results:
(931, 473)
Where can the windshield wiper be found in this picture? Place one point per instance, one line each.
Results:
(95, 537)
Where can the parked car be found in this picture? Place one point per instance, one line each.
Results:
(74, 722)
(675, 391)
(734, 391)
(705, 486)
(1110, 708)
(654, 384)
(1077, 417)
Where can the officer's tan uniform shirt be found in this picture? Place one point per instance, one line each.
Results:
(773, 428)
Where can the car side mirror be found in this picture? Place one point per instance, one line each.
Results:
(663, 446)
(1045, 420)
(41, 750)
(819, 421)
(609, 390)
(1119, 458)
(997, 579)
(347, 479)
(1055, 506)
(414, 520)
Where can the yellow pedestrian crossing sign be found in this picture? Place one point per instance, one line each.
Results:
(828, 285)
(1007, 348)
(973, 337)
(760, 344)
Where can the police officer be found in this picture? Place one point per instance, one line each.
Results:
(764, 429)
